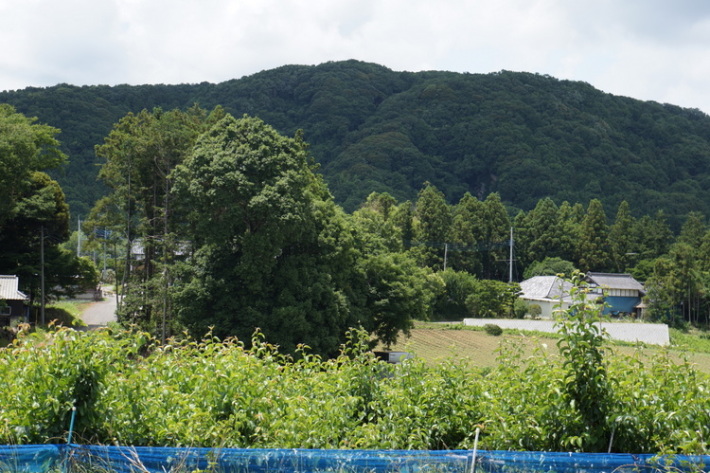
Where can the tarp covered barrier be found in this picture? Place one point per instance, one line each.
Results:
(30, 458)
(40, 458)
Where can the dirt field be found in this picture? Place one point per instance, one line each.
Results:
(437, 344)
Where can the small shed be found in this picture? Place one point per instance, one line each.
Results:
(13, 303)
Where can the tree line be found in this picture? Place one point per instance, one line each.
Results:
(237, 230)
(223, 224)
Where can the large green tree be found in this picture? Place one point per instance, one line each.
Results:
(34, 216)
(622, 243)
(495, 239)
(467, 229)
(140, 154)
(594, 239)
(25, 147)
(271, 249)
(433, 217)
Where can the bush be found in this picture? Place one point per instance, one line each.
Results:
(493, 298)
(493, 329)
(520, 308)
(534, 310)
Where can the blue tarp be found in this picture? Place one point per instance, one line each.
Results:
(30, 458)
(41, 458)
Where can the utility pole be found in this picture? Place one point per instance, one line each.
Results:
(78, 239)
(103, 273)
(510, 257)
(446, 254)
(41, 257)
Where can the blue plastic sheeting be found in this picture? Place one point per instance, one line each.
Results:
(41, 458)
(30, 458)
(500, 461)
(129, 459)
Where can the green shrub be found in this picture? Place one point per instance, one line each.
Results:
(534, 310)
(493, 329)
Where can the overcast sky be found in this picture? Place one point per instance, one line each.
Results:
(647, 49)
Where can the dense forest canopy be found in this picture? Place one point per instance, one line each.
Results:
(525, 136)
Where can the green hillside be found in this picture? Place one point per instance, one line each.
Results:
(523, 135)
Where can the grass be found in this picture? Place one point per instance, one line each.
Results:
(66, 313)
(70, 311)
(435, 342)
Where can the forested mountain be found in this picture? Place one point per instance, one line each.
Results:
(526, 136)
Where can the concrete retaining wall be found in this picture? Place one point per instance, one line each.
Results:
(652, 334)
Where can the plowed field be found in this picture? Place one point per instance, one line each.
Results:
(434, 344)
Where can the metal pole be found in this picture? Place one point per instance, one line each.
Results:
(510, 269)
(71, 425)
(475, 450)
(41, 253)
(78, 239)
(446, 253)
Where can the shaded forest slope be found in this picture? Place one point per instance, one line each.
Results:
(524, 135)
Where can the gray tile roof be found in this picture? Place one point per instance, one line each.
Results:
(615, 281)
(546, 287)
(8, 289)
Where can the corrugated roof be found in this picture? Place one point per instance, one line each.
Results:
(615, 281)
(8, 289)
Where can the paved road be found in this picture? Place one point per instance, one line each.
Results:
(99, 314)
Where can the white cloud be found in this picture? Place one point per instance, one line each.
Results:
(649, 49)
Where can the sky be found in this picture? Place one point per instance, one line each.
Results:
(647, 49)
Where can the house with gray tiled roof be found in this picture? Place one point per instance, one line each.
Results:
(621, 292)
(549, 292)
(552, 294)
(13, 306)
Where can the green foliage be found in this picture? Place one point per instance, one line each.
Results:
(433, 222)
(467, 232)
(526, 136)
(451, 304)
(493, 298)
(493, 329)
(140, 153)
(52, 372)
(521, 308)
(398, 292)
(623, 245)
(130, 390)
(586, 385)
(375, 228)
(593, 246)
(34, 215)
(271, 249)
(549, 267)
(534, 310)
(25, 148)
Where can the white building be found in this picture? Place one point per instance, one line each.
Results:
(549, 292)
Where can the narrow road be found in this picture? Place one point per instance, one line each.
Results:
(100, 313)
